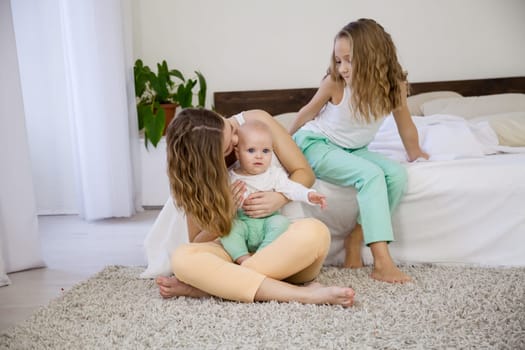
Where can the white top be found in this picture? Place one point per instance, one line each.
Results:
(273, 179)
(340, 124)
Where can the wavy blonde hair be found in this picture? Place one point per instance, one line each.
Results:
(376, 73)
(197, 172)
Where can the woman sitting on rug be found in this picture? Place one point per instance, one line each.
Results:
(197, 142)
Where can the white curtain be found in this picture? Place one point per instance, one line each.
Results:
(77, 79)
(99, 76)
(91, 39)
(19, 243)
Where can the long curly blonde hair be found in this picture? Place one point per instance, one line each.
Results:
(376, 73)
(197, 171)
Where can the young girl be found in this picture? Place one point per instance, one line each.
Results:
(364, 84)
(256, 168)
(197, 142)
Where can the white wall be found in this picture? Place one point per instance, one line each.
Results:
(248, 44)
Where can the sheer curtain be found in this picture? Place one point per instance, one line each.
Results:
(19, 243)
(77, 77)
(85, 45)
(99, 76)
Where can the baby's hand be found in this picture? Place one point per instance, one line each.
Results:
(243, 258)
(317, 198)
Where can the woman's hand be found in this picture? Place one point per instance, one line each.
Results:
(238, 189)
(262, 204)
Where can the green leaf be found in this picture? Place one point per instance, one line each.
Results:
(185, 93)
(140, 78)
(177, 73)
(202, 89)
(154, 124)
(143, 112)
(162, 84)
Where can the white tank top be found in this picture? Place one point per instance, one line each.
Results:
(340, 124)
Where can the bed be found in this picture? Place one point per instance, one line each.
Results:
(464, 206)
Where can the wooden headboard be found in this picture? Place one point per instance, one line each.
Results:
(291, 100)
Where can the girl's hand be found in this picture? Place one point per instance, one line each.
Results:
(238, 189)
(262, 204)
(418, 154)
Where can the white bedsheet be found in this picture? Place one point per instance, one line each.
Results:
(465, 211)
(469, 211)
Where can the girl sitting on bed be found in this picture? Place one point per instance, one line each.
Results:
(197, 142)
(364, 84)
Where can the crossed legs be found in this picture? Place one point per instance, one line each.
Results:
(206, 269)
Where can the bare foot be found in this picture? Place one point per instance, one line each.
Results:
(320, 294)
(170, 287)
(353, 243)
(390, 274)
(384, 267)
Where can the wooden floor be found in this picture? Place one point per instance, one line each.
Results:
(73, 250)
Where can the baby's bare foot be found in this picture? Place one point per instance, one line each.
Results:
(170, 287)
(390, 274)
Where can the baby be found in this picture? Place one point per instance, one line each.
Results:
(254, 152)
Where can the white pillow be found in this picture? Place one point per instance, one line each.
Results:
(475, 106)
(509, 127)
(446, 138)
(443, 137)
(415, 101)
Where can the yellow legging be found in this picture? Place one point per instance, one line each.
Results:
(296, 256)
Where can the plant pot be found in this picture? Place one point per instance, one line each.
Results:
(169, 112)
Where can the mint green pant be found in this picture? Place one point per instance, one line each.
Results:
(380, 182)
(249, 235)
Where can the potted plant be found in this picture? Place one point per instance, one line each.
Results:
(158, 95)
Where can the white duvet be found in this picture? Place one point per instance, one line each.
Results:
(443, 137)
(467, 211)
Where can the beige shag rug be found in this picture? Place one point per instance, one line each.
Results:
(444, 308)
